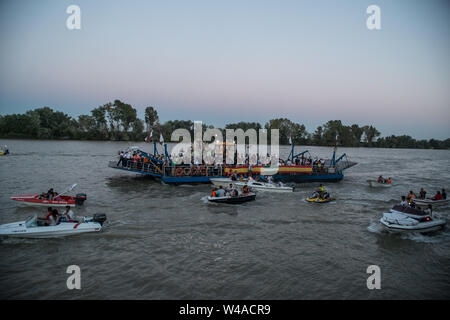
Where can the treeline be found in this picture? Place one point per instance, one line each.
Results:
(118, 121)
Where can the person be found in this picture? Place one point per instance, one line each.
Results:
(51, 194)
(270, 179)
(444, 195)
(404, 203)
(220, 192)
(120, 158)
(422, 193)
(437, 196)
(234, 193)
(429, 210)
(234, 176)
(69, 214)
(213, 193)
(321, 190)
(53, 219)
(229, 189)
(245, 189)
(380, 179)
(412, 195)
(389, 180)
(47, 217)
(43, 195)
(241, 178)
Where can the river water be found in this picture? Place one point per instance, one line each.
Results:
(165, 242)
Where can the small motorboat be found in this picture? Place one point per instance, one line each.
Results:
(434, 203)
(32, 228)
(401, 218)
(264, 186)
(315, 197)
(376, 184)
(60, 200)
(241, 198)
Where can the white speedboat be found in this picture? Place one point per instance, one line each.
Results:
(224, 182)
(434, 203)
(400, 219)
(264, 186)
(376, 184)
(31, 228)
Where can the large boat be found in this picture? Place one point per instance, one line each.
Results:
(296, 168)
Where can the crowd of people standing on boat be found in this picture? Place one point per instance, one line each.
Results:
(138, 160)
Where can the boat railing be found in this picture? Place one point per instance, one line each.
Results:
(139, 166)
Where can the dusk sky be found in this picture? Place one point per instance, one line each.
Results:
(229, 61)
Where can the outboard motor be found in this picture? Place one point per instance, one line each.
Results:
(99, 217)
(80, 198)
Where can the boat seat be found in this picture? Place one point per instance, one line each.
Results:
(409, 210)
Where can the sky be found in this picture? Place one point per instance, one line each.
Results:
(227, 61)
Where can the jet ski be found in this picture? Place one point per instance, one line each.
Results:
(317, 199)
(32, 228)
(241, 198)
(401, 218)
(264, 186)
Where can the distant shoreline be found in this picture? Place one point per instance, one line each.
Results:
(118, 121)
(170, 142)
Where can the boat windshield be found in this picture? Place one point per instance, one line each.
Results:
(31, 222)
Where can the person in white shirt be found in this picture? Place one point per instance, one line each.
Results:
(429, 210)
(68, 214)
(404, 203)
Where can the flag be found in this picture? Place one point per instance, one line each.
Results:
(161, 139)
(149, 136)
(290, 140)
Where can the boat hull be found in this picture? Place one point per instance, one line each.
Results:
(318, 200)
(20, 230)
(263, 187)
(434, 203)
(428, 226)
(232, 200)
(376, 184)
(33, 200)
